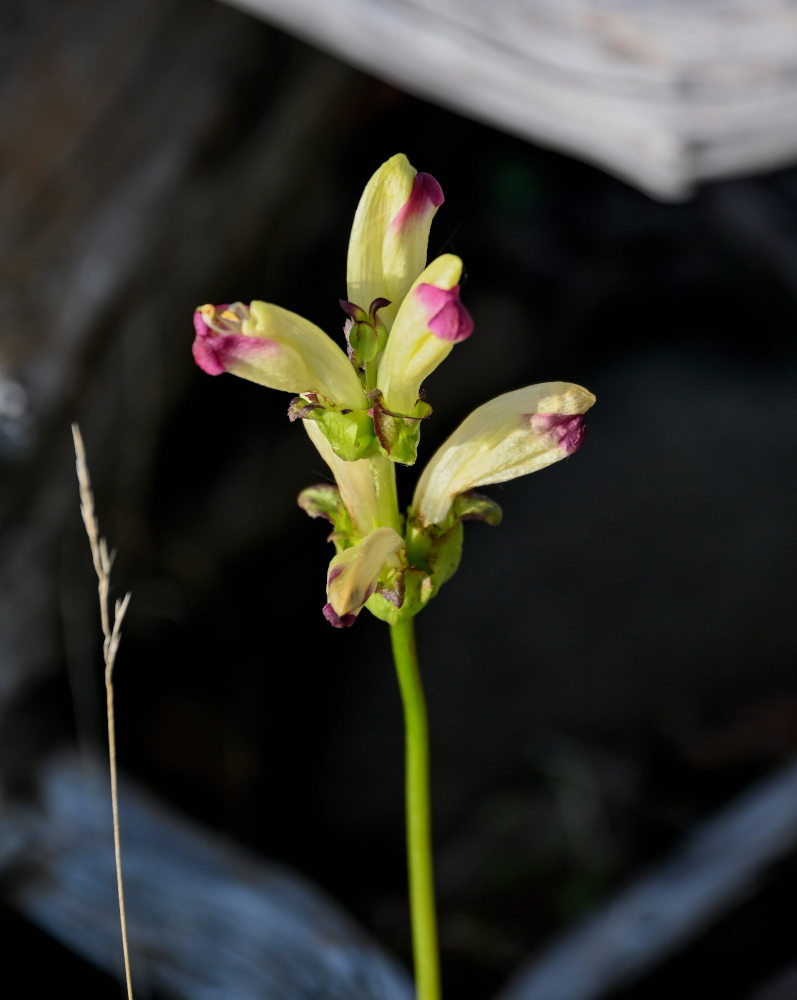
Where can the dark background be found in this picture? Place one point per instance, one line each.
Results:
(608, 667)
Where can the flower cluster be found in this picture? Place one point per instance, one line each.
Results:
(363, 408)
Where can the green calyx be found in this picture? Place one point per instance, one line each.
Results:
(367, 341)
(433, 554)
(366, 333)
(350, 432)
(398, 434)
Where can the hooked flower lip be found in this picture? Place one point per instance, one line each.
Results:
(510, 436)
(448, 318)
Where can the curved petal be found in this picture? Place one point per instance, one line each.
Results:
(276, 348)
(390, 233)
(354, 573)
(355, 481)
(430, 321)
(510, 436)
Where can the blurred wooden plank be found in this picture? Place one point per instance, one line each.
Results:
(662, 93)
(718, 865)
(206, 919)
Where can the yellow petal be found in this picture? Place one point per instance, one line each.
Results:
(355, 481)
(389, 237)
(512, 435)
(353, 573)
(430, 321)
(307, 360)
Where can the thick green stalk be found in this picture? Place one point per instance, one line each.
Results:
(418, 819)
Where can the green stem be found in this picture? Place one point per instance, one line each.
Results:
(370, 373)
(419, 833)
(384, 473)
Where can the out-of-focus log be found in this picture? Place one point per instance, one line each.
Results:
(716, 866)
(206, 919)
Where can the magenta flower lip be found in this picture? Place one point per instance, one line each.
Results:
(336, 620)
(219, 344)
(202, 349)
(567, 429)
(512, 435)
(450, 320)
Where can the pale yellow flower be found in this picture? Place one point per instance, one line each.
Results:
(276, 348)
(354, 573)
(390, 235)
(512, 435)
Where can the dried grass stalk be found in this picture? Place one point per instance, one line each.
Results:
(112, 633)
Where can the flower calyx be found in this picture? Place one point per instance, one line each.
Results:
(397, 433)
(349, 432)
(512, 435)
(433, 556)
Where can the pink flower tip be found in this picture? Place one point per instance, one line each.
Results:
(336, 620)
(431, 189)
(449, 319)
(426, 196)
(203, 349)
(566, 429)
(215, 328)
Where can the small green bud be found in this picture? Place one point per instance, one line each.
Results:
(366, 333)
(366, 341)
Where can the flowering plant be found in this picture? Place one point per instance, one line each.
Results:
(363, 410)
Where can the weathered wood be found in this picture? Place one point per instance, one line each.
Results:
(206, 919)
(664, 94)
(719, 864)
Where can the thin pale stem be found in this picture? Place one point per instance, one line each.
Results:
(112, 645)
(111, 635)
(418, 818)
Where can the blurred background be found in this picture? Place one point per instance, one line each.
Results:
(611, 667)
